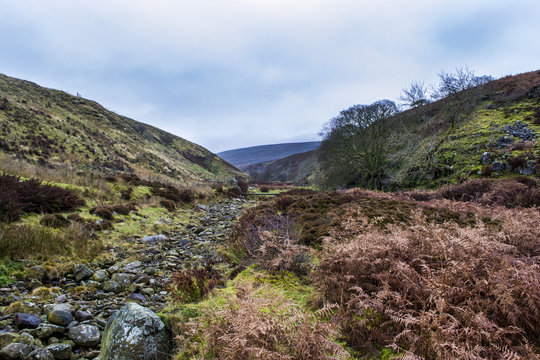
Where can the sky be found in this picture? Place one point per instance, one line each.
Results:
(234, 73)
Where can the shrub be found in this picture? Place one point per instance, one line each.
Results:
(234, 192)
(103, 225)
(75, 217)
(468, 191)
(123, 209)
(517, 162)
(54, 221)
(265, 189)
(168, 204)
(192, 285)
(243, 186)
(172, 193)
(103, 212)
(18, 196)
(439, 291)
(126, 194)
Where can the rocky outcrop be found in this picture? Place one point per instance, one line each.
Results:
(135, 333)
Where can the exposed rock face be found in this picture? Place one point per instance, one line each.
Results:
(134, 333)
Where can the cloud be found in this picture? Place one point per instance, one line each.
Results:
(242, 72)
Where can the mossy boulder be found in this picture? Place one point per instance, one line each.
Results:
(134, 333)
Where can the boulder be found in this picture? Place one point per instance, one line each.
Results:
(83, 272)
(135, 333)
(153, 239)
(112, 286)
(41, 354)
(15, 351)
(26, 321)
(60, 351)
(44, 331)
(60, 317)
(85, 335)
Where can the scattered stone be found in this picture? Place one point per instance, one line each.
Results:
(26, 321)
(85, 335)
(7, 338)
(44, 331)
(60, 351)
(497, 166)
(41, 354)
(60, 317)
(83, 272)
(137, 297)
(154, 239)
(81, 315)
(15, 351)
(124, 280)
(133, 333)
(101, 276)
(61, 299)
(112, 286)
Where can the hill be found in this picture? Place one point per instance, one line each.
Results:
(259, 154)
(294, 168)
(53, 128)
(489, 130)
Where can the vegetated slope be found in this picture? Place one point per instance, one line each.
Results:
(295, 168)
(258, 154)
(51, 127)
(489, 131)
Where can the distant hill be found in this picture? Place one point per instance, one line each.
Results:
(295, 168)
(53, 128)
(263, 153)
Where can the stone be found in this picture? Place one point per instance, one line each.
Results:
(60, 317)
(135, 333)
(44, 331)
(85, 335)
(81, 315)
(83, 272)
(112, 286)
(61, 299)
(26, 338)
(41, 354)
(101, 276)
(7, 338)
(37, 272)
(154, 239)
(133, 265)
(123, 279)
(62, 306)
(142, 279)
(60, 351)
(15, 351)
(26, 321)
(137, 297)
(497, 166)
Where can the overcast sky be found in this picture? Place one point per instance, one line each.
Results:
(235, 73)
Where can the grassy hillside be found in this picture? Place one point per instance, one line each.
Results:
(258, 154)
(295, 168)
(50, 127)
(489, 131)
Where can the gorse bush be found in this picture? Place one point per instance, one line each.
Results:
(18, 196)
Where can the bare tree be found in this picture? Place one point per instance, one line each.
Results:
(415, 95)
(453, 83)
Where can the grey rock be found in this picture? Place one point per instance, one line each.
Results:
(60, 351)
(101, 275)
(51, 307)
(26, 338)
(134, 333)
(61, 299)
(36, 272)
(137, 297)
(60, 317)
(85, 335)
(112, 286)
(83, 272)
(142, 279)
(123, 279)
(154, 239)
(133, 265)
(497, 166)
(26, 321)
(15, 351)
(81, 315)
(41, 354)
(44, 331)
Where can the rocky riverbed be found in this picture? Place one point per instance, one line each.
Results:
(47, 316)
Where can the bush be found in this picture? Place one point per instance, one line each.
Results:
(54, 221)
(18, 196)
(126, 194)
(439, 291)
(234, 192)
(103, 212)
(517, 162)
(243, 186)
(192, 285)
(471, 190)
(172, 193)
(265, 189)
(168, 204)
